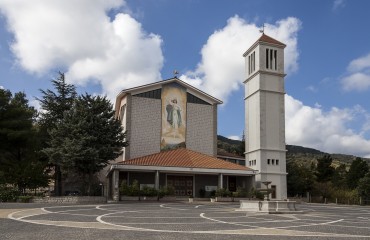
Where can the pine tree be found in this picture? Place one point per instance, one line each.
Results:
(54, 106)
(88, 139)
(358, 170)
(324, 169)
(19, 146)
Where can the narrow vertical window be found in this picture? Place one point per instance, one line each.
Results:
(254, 61)
(267, 58)
(271, 58)
(268, 161)
(249, 64)
(277, 161)
(273, 161)
(275, 55)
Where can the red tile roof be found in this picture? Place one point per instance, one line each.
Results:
(185, 158)
(268, 39)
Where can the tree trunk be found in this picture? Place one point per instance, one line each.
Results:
(57, 181)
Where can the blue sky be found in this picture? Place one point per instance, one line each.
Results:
(105, 46)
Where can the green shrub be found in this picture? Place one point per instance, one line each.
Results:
(134, 189)
(241, 192)
(8, 194)
(166, 191)
(148, 192)
(257, 194)
(25, 199)
(221, 192)
(129, 190)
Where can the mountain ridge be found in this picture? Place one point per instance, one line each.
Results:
(304, 155)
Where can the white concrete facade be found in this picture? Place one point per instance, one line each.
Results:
(264, 114)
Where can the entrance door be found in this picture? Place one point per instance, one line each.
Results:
(232, 183)
(183, 185)
(273, 193)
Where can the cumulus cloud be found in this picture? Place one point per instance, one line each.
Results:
(327, 131)
(78, 35)
(1, 87)
(221, 68)
(357, 77)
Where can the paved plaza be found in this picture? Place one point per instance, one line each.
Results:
(156, 220)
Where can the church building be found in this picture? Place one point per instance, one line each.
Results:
(172, 132)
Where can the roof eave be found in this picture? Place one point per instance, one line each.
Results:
(247, 172)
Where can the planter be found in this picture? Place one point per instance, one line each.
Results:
(224, 199)
(237, 199)
(191, 200)
(130, 198)
(213, 199)
(152, 198)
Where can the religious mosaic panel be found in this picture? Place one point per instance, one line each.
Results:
(173, 116)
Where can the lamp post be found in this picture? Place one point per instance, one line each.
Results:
(102, 189)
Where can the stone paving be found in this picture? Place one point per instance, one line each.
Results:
(142, 220)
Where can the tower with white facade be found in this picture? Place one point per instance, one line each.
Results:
(264, 110)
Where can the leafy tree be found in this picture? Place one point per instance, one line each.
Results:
(339, 177)
(324, 170)
(300, 179)
(358, 170)
(20, 163)
(89, 137)
(323, 189)
(364, 186)
(54, 106)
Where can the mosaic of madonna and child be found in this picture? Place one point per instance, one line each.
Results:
(173, 116)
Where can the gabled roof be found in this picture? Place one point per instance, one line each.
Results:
(266, 39)
(157, 85)
(183, 158)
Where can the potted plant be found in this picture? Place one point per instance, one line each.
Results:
(213, 194)
(223, 195)
(191, 198)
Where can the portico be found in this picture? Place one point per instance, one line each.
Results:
(185, 170)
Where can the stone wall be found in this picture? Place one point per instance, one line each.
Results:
(201, 128)
(70, 199)
(146, 127)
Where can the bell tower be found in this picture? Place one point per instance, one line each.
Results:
(265, 114)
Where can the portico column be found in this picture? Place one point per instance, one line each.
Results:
(220, 180)
(115, 182)
(156, 181)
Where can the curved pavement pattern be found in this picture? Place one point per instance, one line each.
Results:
(317, 221)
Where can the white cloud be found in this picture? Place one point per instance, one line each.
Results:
(328, 131)
(337, 4)
(1, 87)
(359, 64)
(78, 35)
(234, 137)
(357, 81)
(358, 75)
(221, 70)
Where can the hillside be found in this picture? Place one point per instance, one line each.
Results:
(294, 153)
